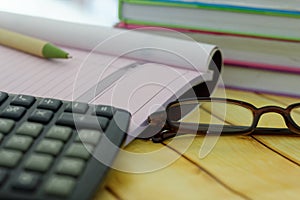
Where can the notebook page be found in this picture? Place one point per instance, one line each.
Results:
(27, 74)
(141, 90)
(143, 93)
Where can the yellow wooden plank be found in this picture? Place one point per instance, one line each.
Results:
(282, 99)
(247, 166)
(260, 100)
(181, 180)
(288, 146)
(237, 167)
(104, 194)
(254, 98)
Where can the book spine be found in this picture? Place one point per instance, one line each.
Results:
(126, 25)
(220, 7)
(120, 9)
(262, 66)
(216, 30)
(180, 26)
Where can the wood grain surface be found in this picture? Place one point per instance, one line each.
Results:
(237, 167)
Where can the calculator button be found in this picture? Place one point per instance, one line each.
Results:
(66, 119)
(13, 112)
(30, 129)
(106, 111)
(70, 166)
(79, 150)
(23, 100)
(3, 97)
(26, 181)
(91, 122)
(3, 175)
(76, 107)
(59, 132)
(1, 136)
(21, 143)
(39, 162)
(6, 125)
(41, 115)
(50, 146)
(88, 136)
(60, 185)
(9, 158)
(82, 121)
(50, 104)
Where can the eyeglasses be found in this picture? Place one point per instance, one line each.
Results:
(217, 115)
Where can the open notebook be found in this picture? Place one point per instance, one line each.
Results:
(137, 72)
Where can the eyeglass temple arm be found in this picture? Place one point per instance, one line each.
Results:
(158, 131)
(164, 135)
(156, 125)
(272, 131)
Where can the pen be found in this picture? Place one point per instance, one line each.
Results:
(31, 45)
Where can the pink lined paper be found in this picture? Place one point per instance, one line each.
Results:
(140, 91)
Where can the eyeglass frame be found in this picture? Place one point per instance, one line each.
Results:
(169, 129)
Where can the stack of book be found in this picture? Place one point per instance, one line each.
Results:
(260, 38)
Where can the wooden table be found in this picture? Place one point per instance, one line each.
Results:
(238, 167)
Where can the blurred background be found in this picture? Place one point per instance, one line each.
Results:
(97, 12)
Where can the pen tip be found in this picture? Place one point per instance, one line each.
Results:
(69, 56)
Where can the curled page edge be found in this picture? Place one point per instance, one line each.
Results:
(88, 37)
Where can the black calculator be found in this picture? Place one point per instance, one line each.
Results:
(47, 146)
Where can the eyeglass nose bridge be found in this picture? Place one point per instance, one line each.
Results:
(273, 109)
(269, 109)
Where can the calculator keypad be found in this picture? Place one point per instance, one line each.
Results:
(46, 145)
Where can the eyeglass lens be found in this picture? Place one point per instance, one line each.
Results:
(209, 114)
(295, 115)
(212, 114)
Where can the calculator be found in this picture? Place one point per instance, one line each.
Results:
(47, 146)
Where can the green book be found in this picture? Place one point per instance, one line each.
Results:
(255, 18)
